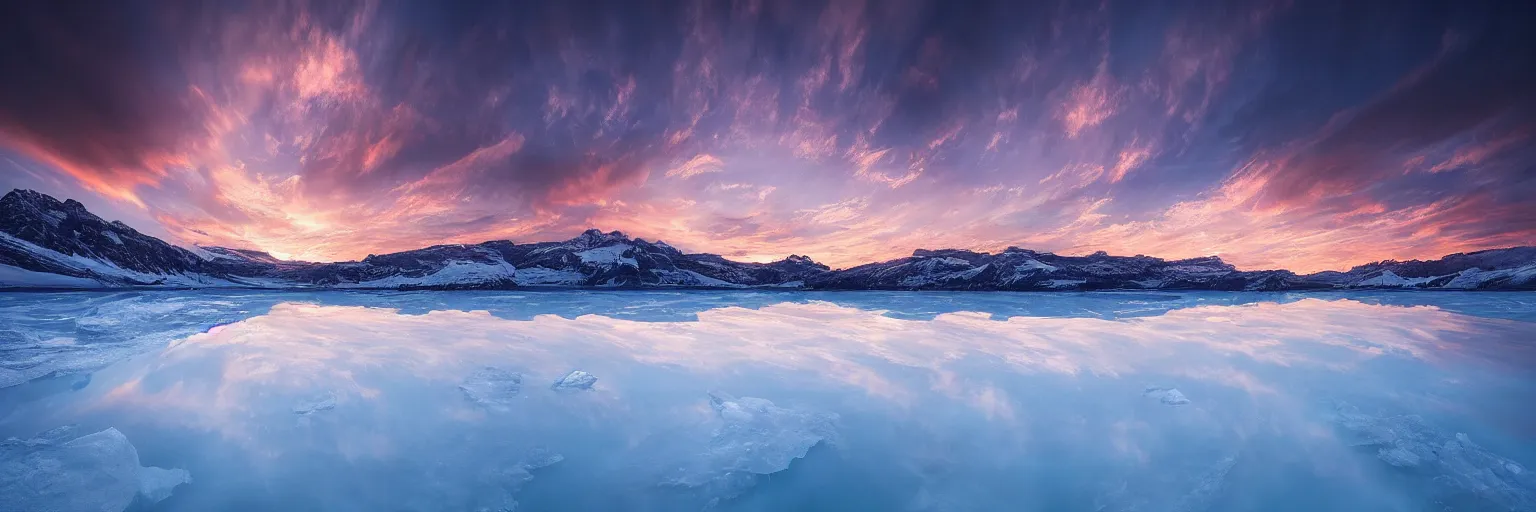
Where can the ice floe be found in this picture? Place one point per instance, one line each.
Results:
(95, 472)
(492, 387)
(156, 484)
(577, 380)
(317, 404)
(1459, 466)
(1166, 395)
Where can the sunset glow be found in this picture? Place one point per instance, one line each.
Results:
(1300, 135)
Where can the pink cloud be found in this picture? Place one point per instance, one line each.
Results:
(700, 164)
(1089, 104)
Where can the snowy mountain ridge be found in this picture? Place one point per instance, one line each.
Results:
(46, 243)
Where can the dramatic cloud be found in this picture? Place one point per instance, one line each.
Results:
(87, 91)
(1308, 135)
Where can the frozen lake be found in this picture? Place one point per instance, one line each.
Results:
(757, 400)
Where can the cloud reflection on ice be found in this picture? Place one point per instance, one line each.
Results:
(303, 346)
(1035, 411)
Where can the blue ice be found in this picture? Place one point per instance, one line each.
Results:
(766, 400)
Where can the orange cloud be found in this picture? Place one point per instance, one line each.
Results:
(116, 184)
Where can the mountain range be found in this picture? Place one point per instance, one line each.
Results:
(47, 243)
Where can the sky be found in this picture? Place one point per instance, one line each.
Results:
(1306, 135)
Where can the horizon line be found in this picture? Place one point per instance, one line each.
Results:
(627, 236)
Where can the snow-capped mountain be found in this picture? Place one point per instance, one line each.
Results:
(1023, 269)
(592, 259)
(47, 243)
(1496, 269)
(58, 243)
(52, 244)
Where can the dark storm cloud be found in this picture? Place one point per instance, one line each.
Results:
(90, 88)
(1475, 83)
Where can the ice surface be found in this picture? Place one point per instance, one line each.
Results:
(492, 387)
(1399, 456)
(1453, 461)
(1207, 488)
(9, 377)
(540, 457)
(95, 472)
(1170, 492)
(43, 335)
(577, 380)
(110, 326)
(867, 400)
(320, 403)
(156, 484)
(506, 481)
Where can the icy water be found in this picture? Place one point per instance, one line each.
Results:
(751, 401)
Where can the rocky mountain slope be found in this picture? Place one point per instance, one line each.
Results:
(41, 235)
(46, 243)
(1497, 269)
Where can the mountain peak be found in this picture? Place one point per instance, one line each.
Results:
(595, 237)
(1209, 261)
(61, 230)
(30, 197)
(43, 204)
(800, 260)
(24, 210)
(24, 193)
(930, 253)
(598, 233)
(45, 235)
